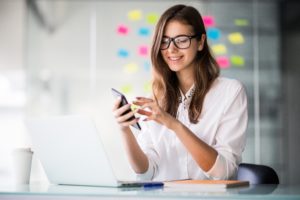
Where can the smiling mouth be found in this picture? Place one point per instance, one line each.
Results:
(175, 58)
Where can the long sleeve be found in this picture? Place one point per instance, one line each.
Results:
(230, 138)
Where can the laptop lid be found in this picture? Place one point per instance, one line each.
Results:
(71, 151)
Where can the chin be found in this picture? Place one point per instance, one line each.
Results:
(175, 68)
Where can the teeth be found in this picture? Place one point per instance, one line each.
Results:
(174, 58)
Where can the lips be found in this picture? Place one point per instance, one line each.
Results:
(174, 58)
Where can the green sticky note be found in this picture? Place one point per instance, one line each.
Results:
(152, 18)
(241, 22)
(126, 89)
(237, 60)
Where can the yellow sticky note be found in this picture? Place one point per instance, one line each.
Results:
(237, 60)
(131, 68)
(147, 87)
(152, 18)
(219, 49)
(135, 15)
(236, 38)
(126, 89)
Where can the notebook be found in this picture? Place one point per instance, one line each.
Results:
(71, 152)
(206, 184)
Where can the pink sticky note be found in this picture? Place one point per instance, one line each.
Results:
(208, 21)
(122, 30)
(143, 50)
(223, 62)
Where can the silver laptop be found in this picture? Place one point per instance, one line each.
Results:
(71, 152)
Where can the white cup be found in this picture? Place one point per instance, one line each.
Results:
(22, 158)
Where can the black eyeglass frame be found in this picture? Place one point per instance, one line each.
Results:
(190, 37)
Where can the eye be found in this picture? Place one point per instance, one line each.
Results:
(165, 40)
(181, 39)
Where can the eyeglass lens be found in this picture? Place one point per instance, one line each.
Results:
(181, 42)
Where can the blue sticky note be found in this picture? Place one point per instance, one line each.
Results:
(123, 53)
(213, 33)
(147, 66)
(144, 31)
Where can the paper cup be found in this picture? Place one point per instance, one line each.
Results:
(22, 158)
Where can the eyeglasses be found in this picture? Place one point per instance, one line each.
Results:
(180, 41)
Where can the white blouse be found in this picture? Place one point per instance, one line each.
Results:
(222, 125)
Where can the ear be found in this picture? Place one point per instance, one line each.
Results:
(201, 42)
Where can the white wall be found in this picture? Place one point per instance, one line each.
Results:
(12, 82)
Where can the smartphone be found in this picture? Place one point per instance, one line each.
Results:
(124, 101)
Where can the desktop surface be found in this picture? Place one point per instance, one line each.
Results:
(46, 191)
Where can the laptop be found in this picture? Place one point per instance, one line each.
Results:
(71, 152)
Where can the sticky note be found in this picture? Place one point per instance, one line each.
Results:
(223, 62)
(209, 21)
(131, 68)
(152, 18)
(147, 87)
(122, 30)
(144, 31)
(237, 60)
(236, 38)
(134, 15)
(143, 50)
(219, 49)
(126, 89)
(147, 66)
(134, 107)
(123, 53)
(241, 22)
(213, 33)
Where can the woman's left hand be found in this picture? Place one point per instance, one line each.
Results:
(155, 112)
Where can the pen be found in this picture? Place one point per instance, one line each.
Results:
(153, 185)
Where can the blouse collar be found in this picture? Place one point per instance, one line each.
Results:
(186, 98)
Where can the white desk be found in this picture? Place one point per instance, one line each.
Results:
(44, 191)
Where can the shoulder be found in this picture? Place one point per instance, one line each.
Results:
(225, 90)
(227, 85)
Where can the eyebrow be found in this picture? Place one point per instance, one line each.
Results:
(177, 35)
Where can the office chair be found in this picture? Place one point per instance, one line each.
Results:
(257, 174)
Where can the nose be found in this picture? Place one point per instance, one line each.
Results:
(172, 47)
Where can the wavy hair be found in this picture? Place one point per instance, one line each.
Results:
(165, 84)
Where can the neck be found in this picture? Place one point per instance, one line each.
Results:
(186, 81)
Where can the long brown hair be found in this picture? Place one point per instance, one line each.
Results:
(165, 83)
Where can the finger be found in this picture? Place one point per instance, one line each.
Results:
(144, 112)
(125, 117)
(150, 105)
(117, 103)
(123, 109)
(131, 122)
(144, 99)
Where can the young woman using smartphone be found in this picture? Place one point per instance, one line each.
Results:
(196, 121)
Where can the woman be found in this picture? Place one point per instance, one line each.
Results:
(196, 121)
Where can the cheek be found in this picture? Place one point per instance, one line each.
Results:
(192, 53)
(163, 55)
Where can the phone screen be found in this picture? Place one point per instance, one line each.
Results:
(124, 101)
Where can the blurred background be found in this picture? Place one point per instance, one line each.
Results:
(63, 56)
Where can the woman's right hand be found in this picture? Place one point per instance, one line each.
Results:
(124, 115)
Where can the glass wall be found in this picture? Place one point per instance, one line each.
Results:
(77, 50)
